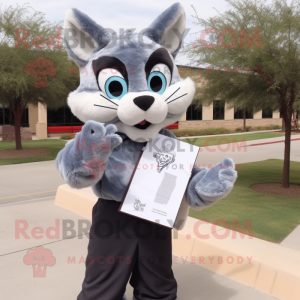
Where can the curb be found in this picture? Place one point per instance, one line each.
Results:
(267, 143)
(267, 267)
(226, 134)
(270, 268)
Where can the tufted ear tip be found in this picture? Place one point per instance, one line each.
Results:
(68, 13)
(169, 28)
(82, 36)
(177, 5)
(70, 18)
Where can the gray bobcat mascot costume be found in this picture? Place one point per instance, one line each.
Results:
(130, 90)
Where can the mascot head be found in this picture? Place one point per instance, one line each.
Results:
(129, 80)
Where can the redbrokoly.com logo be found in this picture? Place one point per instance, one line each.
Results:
(39, 258)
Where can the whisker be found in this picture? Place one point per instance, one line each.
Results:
(172, 94)
(177, 98)
(109, 100)
(105, 106)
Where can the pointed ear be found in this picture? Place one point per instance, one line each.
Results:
(168, 29)
(83, 36)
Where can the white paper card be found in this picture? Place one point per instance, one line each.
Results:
(160, 180)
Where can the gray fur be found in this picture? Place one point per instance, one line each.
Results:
(158, 27)
(108, 170)
(210, 185)
(119, 169)
(94, 30)
(133, 50)
(206, 186)
(132, 56)
(71, 161)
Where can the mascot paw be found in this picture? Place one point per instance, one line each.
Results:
(211, 185)
(95, 138)
(217, 182)
(83, 161)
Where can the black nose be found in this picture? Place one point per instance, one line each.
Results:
(143, 102)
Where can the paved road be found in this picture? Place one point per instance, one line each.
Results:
(29, 181)
(35, 185)
(63, 280)
(248, 153)
(22, 182)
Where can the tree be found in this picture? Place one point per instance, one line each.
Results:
(34, 67)
(252, 54)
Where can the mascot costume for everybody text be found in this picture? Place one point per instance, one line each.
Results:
(129, 91)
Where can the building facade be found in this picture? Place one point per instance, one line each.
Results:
(218, 114)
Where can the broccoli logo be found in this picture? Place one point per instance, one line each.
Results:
(164, 157)
(40, 68)
(39, 258)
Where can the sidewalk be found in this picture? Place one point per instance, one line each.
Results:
(226, 134)
(22, 182)
(63, 280)
(293, 239)
(247, 153)
(26, 182)
(41, 179)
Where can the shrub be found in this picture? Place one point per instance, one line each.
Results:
(258, 127)
(67, 136)
(239, 129)
(272, 127)
(276, 126)
(198, 132)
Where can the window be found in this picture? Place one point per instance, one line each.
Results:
(194, 113)
(267, 113)
(24, 119)
(219, 107)
(62, 117)
(7, 117)
(239, 114)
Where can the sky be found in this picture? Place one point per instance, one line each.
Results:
(125, 14)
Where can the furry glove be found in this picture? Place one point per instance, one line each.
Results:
(210, 185)
(83, 160)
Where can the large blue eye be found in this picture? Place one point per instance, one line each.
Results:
(157, 82)
(115, 87)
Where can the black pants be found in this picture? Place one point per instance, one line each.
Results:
(121, 246)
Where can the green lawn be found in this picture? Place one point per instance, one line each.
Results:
(272, 217)
(215, 140)
(53, 145)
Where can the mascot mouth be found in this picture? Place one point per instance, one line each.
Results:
(143, 125)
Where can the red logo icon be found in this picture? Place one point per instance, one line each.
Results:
(94, 165)
(40, 68)
(39, 258)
